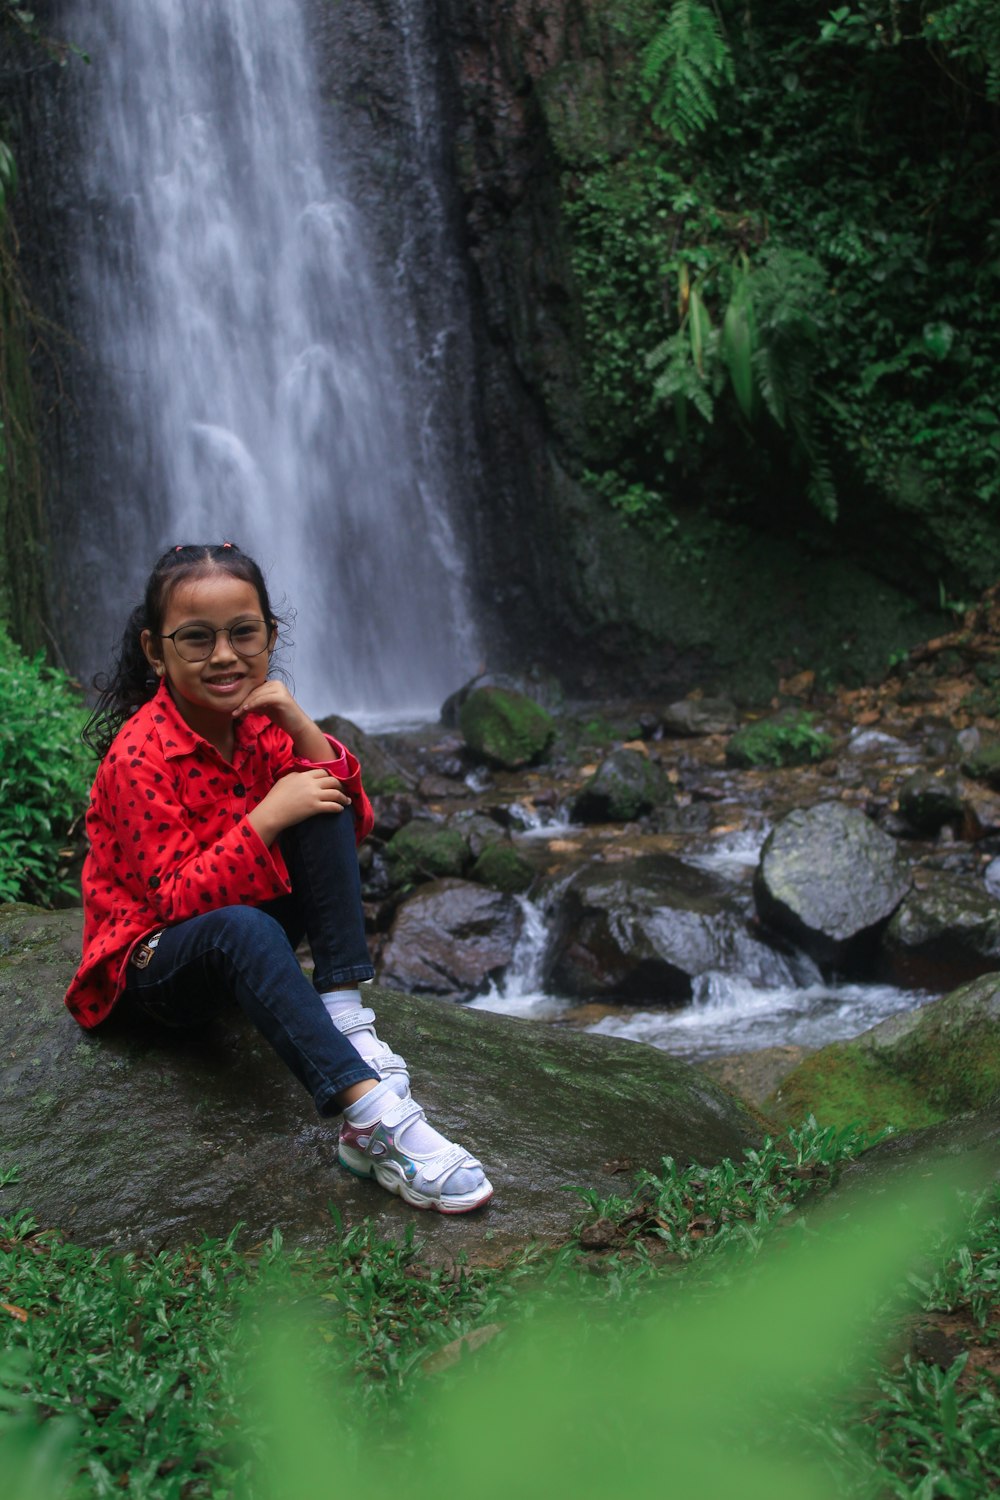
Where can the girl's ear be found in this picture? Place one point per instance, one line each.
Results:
(148, 643)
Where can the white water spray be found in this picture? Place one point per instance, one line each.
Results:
(257, 388)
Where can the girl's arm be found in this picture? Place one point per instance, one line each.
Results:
(273, 699)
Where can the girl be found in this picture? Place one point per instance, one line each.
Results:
(222, 828)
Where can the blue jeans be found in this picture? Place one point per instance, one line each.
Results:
(247, 953)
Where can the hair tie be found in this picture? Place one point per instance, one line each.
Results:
(227, 546)
(178, 549)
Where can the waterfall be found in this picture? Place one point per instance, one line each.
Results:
(256, 382)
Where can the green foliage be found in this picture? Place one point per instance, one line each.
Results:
(45, 775)
(694, 1208)
(207, 1371)
(793, 295)
(683, 66)
(789, 739)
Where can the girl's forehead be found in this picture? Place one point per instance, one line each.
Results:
(210, 595)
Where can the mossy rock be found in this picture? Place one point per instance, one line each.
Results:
(505, 728)
(915, 1069)
(423, 850)
(984, 764)
(928, 801)
(503, 867)
(626, 785)
(789, 738)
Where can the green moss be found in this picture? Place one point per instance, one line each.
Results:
(840, 1088)
(503, 867)
(505, 727)
(422, 850)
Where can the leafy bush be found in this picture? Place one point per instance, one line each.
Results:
(789, 739)
(788, 277)
(45, 774)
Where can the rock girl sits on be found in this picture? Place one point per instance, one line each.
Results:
(223, 827)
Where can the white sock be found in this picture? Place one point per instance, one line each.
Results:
(364, 1039)
(417, 1137)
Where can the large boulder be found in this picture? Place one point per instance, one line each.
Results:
(450, 938)
(505, 728)
(625, 785)
(138, 1137)
(381, 771)
(915, 1069)
(642, 929)
(830, 879)
(946, 931)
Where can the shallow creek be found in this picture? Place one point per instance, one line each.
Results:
(723, 817)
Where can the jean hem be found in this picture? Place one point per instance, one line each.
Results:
(350, 974)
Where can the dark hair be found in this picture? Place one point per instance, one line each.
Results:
(130, 683)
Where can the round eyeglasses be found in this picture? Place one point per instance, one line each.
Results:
(197, 642)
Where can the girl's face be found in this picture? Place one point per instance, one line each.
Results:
(206, 692)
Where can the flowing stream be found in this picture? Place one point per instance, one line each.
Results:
(258, 384)
(767, 998)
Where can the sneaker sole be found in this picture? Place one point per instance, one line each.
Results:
(462, 1203)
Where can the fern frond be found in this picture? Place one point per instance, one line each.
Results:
(684, 66)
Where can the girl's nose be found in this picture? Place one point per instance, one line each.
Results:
(223, 648)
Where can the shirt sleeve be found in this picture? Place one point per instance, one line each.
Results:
(160, 859)
(347, 770)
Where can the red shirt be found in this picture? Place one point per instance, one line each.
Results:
(169, 836)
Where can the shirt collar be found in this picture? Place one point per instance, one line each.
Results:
(178, 738)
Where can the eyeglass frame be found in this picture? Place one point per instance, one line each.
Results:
(226, 630)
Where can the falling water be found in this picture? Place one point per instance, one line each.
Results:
(256, 389)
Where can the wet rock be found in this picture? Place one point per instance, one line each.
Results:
(505, 728)
(915, 1069)
(830, 879)
(436, 788)
(902, 1160)
(504, 867)
(946, 931)
(451, 937)
(393, 810)
(928, 801)
(540, 686)
(424, 850)
(478, 830)
(754, 1076)
(381, 770)
(642, 929)
(983, 763)
(135, 1137)
(698, 716)
(625, 786)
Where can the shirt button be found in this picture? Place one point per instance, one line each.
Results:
(154, 882)
(239, 790)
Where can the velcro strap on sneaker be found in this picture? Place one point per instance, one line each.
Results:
(390, 1062)
(436, 1167)
(354, 1020)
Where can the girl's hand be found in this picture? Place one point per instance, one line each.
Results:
(297, 796)
(273, 699)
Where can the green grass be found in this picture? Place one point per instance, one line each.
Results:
(128, 1374)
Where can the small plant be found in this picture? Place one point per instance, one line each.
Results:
(45, 775)
(789, 739)
(690, 1209)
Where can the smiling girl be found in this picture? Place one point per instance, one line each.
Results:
(223, 824)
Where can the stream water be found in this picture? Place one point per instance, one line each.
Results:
(256, 368)
(772, 998)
